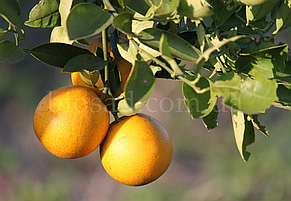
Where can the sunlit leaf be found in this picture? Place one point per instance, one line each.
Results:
(10, 53)
(126, 110)
(165, 7)
(249, 95)
(45, 14)
(179, 47)
(10, 10)
(194, 9)
(90, 78)
(57, 54)
(87, 19)
(244, 133)
(264, 65)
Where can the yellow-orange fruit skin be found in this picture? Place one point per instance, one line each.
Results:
(71, 121)
(137, 150)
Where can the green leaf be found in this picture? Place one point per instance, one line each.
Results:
(140, 6)
(10, 10)
(114, 78)
(123, 23)
(254, 119)
(260, 11)
(45, 14)
(166, 55)
(221, 12)
(126, 110)
(179, 47)
(277, 55)
(194, 9)
(87, 19)
(249, 95)
(284, 94)
(243, 132)
(264, 65)
(57, 54)
(210, 121)
(165, 8)
(90, 78)
(206, 54)
(10, 53)
(283, 16)
(140, 84)
(127, 51)
(199, 105)
(87, 62)
(3, 32)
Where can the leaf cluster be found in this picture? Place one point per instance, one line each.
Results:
(224, 44)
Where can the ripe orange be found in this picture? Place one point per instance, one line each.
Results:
(71, 121)
(123, 66)
(137, 150)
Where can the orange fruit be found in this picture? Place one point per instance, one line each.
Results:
(71, 121)
(137, 150)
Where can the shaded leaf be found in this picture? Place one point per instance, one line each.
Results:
(179, 47)
(221, 13)
(123, 23)
(114, 78)
(45, 14)
(254, 119)
(199, 105)
(10, 10)
(87, 62)
(284, 94)
(206, 54)
(166, 55)
(210, 121)
(140, 84)
(283, 16)
(250, 95)
(260, 11)
(140, 6)
(10, 53)
(57, 54)
(243, 132)
(3, 32)
(95, 17)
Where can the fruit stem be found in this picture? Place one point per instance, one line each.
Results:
(106, 73)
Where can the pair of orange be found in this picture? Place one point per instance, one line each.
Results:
(71, 122)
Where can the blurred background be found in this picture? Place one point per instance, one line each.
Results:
(206, 165)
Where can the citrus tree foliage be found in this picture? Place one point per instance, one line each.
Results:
(228, 46)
